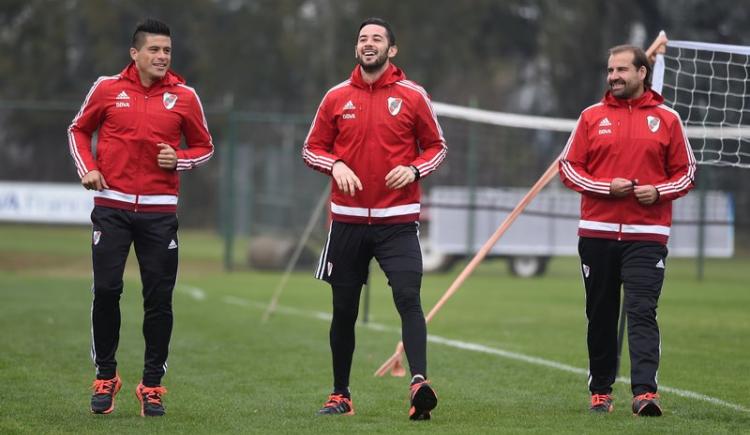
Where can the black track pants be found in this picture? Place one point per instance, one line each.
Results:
(154, 236)
(638, 267)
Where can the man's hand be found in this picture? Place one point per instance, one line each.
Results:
(167, 157)
(94, 180)
(399, 177)
(345, 178)
(647, 194)
(620, 187)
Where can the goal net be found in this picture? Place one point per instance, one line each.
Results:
(707, 85)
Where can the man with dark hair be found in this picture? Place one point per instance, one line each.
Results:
(382, 23)
(140, 115)
(640, 60)
(629, 158)
(148, 27)
(376, 135)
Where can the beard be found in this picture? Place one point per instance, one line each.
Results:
(378, 63)
(627, 91)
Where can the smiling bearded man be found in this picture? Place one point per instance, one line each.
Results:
(376, 135)
(629, 158)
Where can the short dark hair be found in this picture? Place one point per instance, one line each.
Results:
(380, 22)
(639, 59)
(151, 26)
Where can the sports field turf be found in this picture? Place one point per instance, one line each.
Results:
(507, 355)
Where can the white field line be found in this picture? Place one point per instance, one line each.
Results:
(319, 315)
(196, 293)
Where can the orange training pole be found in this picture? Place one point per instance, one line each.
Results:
(394, 362)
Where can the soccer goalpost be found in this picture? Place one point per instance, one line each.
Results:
(705, 83)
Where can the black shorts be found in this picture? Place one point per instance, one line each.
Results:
(346, 256)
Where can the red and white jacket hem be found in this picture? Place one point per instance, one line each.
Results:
(626, 232)
(130, 202)
(387, 215)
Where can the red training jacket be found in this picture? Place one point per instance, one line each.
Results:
(639, 139)
(131, 120)
(374, 128)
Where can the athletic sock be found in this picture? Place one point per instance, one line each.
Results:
(417, 379)
(345, 392)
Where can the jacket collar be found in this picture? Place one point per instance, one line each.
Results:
(170, 79)
(391, 75)
(650, 98)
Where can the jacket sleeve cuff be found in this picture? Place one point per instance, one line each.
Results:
(416, 172)
(658, 194)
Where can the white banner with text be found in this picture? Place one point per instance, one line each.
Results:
(63, 203)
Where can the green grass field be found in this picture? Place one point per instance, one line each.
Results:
(228, 373)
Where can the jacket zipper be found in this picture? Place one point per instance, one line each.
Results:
(369, 152)
(139, 168)
(626, 140)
